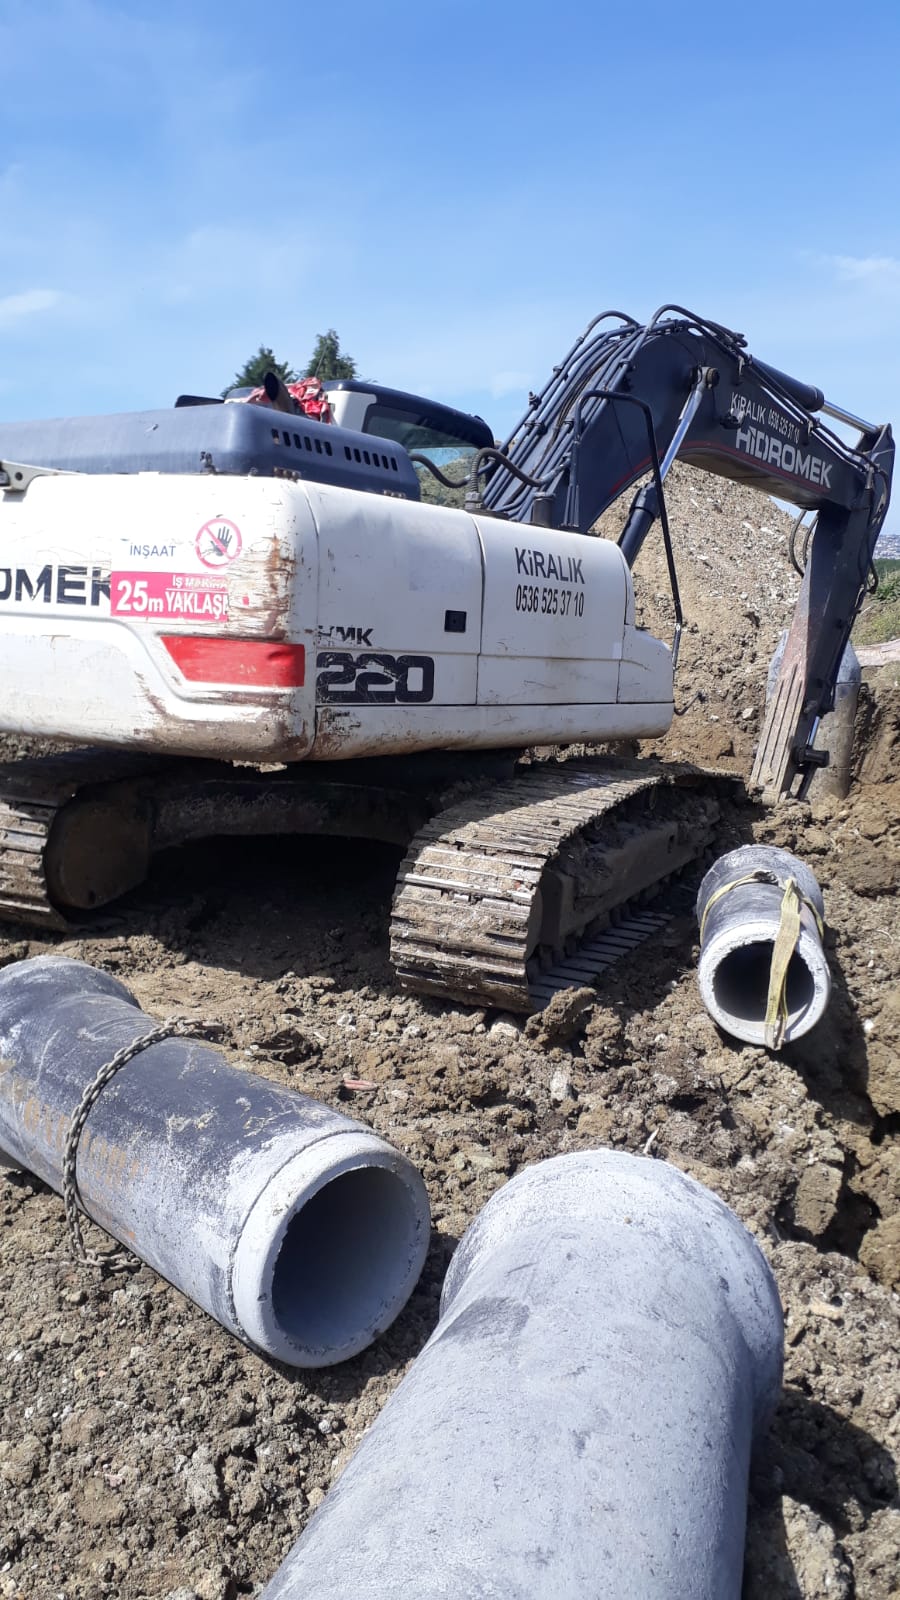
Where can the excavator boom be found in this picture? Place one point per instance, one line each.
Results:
(628, 399)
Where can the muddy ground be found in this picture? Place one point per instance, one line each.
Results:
(146, 1455)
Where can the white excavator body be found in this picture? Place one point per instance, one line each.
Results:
(269, 620)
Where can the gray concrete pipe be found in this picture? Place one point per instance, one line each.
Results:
(739, 925)
(836, 730)
(580, 1421)
(299, 1230)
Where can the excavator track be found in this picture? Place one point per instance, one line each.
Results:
(531, 884)
(24, 829)
(79, 830)
(33, 794)
(514, 894)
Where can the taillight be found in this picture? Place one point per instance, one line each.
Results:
(254, 663)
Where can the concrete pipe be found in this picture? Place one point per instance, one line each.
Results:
(836, 730)
(762, 972)
(299, 1230)
(580, 1421)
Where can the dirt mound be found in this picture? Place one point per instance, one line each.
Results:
(146, 1456)
(738, 590)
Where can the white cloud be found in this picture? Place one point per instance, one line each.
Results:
(874, 270)
(27, 304)
(511, 382)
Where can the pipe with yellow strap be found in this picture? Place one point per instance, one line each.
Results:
(763, 973)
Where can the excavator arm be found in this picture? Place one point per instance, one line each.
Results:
(630, 398)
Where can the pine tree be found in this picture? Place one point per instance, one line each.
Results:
(327, 361)
(253, 371)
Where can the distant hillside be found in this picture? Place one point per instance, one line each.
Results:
(879, 619)
(888, 547)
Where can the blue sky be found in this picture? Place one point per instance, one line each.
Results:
(456, 188)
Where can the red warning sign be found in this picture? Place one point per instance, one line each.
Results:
(169, 594)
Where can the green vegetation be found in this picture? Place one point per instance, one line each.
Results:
(253, 371)
(454, 467)
(327, 361)
(880, 616)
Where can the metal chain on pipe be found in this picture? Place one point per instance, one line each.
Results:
(176, 1027)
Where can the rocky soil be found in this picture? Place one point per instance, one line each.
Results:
(146, 1455)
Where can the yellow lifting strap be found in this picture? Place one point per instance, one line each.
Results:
(786, 941)
(726, 888)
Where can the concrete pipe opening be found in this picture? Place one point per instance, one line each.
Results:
(740, 984)
(759, 905)
(331, 1252)
(345, 1240)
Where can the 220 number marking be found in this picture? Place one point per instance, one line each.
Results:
(373, 679)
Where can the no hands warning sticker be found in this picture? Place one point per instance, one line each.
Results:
(219, 542)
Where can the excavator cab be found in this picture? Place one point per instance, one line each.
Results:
(447, 437)
(407, 419)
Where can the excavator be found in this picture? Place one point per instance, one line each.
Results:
(245, 618)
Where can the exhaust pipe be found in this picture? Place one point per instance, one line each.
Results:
(298, 1229)
(580, 1421)
(762, 972)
